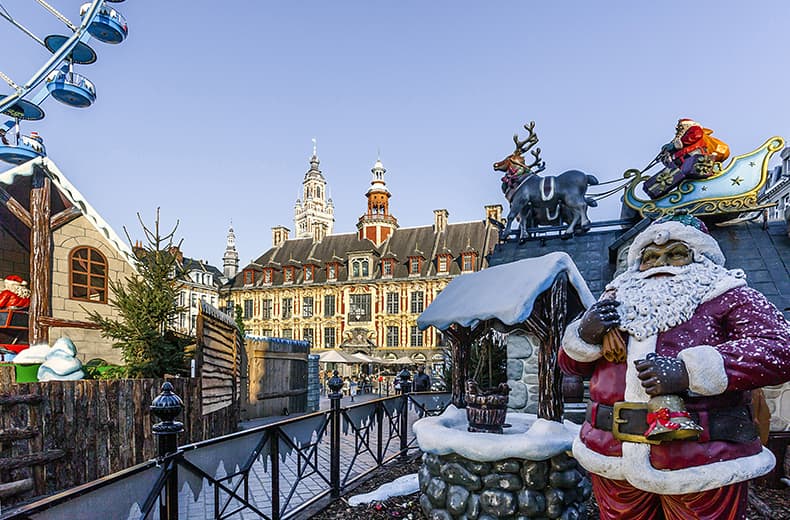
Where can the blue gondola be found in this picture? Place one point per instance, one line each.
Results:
(24, 110)
(29, 147)
(108, 26)
(81, 54)
(71, 88)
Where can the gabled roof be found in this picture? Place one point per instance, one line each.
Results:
(18, 181)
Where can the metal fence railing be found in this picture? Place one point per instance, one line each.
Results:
(272, 471)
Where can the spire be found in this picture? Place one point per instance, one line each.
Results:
(230, 260)
(314, 215)
(377, 224)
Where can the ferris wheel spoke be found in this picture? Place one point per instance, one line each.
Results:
(58, 15)
(5, 14)
(8, 80)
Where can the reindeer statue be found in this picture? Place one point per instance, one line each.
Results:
(542, 201)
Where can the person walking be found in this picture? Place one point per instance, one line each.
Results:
(422, 381)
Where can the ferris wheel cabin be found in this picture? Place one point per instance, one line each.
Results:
(29, 147)
(108, 26)
(71, 88)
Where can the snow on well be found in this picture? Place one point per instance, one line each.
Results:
(528, 437)
(506, 292)
(405, 485)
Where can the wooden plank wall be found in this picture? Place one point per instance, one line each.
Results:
(219, 344)
(102, 425)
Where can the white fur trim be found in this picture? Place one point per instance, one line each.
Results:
(634, 391)
(576, 348)
(705, 368)
(635, 467)
(699, 242)
(736, 279)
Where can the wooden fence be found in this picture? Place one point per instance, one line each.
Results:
(219, 347)
(277, 377)
(102, 426)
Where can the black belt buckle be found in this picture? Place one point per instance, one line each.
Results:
(617, 421)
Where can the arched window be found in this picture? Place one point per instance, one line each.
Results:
(365, 268)
(88, 275)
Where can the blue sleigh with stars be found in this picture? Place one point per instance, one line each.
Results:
(734, 189)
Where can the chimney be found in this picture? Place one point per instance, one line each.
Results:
(279, 235)
(440, 220)
(494, 212)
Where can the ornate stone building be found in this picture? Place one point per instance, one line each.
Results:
(363, 291)
(314, 213)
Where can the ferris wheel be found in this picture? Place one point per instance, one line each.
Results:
(100, 20)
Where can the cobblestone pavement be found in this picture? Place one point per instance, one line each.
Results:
(294, 464)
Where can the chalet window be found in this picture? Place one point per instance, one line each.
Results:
(266, 309)
(442, 264)
(393, 303)
(392, 337)
(249, 277)
(414, 265)
(307, 307)
(386, 267)
(287, 307)
(331, 272)
(308, 274)
(359, 308)
(288, 274)
(308, 334)
(329, 337)
(88, 275)
(329, 305)
(248, 308)
(267, 276)
(416, 336)
(417, 302)
(288, 334)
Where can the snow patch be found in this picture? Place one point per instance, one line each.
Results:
(528, 437)
(405, 485)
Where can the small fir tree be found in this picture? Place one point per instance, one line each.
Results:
(239, 320)
(146, 303)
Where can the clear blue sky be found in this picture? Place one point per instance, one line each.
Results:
(209, 108)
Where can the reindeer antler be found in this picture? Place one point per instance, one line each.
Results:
(529, 142)
(538, 162)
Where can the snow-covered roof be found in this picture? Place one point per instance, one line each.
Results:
(506, 292)
(75, 197)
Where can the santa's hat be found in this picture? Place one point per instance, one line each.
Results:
(14, 278)
(684, 228)
(686, 123)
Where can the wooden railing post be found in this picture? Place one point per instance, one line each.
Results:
(166, 406)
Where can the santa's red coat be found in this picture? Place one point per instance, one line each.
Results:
(10, 299)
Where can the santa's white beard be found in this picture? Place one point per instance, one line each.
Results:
(651, 304)
(18, 289)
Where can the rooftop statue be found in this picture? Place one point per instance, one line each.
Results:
(542, 201)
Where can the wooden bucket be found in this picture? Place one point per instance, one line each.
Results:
(486, 408)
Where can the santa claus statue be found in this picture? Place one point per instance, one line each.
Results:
(15, 295)
(695, 338)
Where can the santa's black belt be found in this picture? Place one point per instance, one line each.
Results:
(731, 424)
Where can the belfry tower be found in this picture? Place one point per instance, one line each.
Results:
(314, 213)
(377, 224)
(230, 260)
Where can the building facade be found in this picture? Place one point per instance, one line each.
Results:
(777, 190)
(198, 281)
(314, 213)
(363, 291)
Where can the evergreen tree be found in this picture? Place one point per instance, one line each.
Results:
(239, 320)
(146, 302)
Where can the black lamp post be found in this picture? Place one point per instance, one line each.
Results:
(335, 385)
(166, 406)
(405, 381)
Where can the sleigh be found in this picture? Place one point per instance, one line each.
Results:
(13, 330)
(734, 189)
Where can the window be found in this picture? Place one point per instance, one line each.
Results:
(287, 307)
(329, 305)
(248, 309)
(288, 274)
(329, 337)
(360, 268)
(392, 337)
(442, 264)
(266, 332)
(192, 323)
(88, 275)
(249, 277)
(288, 334)
(266, 309)
(417, 302)
(331, 272)
(416, 336)
(359, 308)
(308, 334)
(230, 308)
(386, 267)
(468, 262)
(393, 303)
(414, 265)
(193, 299)
(267, 276)
(307, 307)
(308, 273)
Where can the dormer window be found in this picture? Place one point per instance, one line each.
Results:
(468, 261)
(308, 273)
(331, 272)
(288, 275)
(267, 276)
(249, 277)
(387, 268)
(415, 264)
(360, 267)
(443, 263)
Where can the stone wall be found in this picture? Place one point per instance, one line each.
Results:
(89, 343)
(13, 257)
(522, 372)
(453, 487)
